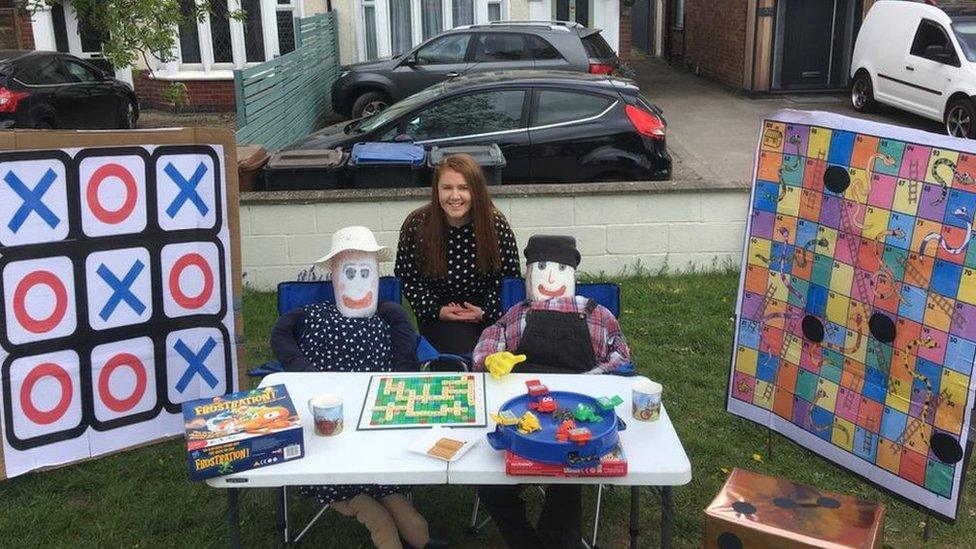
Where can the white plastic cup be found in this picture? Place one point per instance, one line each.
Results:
(326, 413)
(646, 399)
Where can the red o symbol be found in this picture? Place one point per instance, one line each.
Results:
(104, 215)
(179, 297)
(117, 361)
(42, 325)
(27, 404)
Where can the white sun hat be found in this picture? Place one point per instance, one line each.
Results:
(354, 238)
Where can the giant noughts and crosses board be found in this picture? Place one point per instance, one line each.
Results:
(856, 317)
(424, 401)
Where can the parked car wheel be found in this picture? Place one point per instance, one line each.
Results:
(862, 93)
(960, 119)
(127, 116)
(369, 103)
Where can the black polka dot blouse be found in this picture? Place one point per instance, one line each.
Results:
(463, 281)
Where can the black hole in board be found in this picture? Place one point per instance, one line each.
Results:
(829, 503)
(813, 329)
(785, 503)
(744, 507)
(882, 328)
(946, 448)
(728, 540)
(836, 179)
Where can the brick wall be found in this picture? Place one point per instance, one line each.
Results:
(682, 229)
(715, 38)
(204, 95)
(26, 30)
(625, 38)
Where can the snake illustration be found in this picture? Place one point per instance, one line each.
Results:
(795, 141)
(962, 214)
(963, 178)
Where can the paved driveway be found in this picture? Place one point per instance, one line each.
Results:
(713, 130)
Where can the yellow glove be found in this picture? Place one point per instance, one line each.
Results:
(499, 364)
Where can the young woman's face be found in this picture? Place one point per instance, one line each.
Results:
(454, 196)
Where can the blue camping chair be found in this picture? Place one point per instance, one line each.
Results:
(606, 294)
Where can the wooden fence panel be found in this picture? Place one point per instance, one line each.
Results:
(282, 100)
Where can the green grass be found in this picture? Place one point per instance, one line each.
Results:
(680, 330)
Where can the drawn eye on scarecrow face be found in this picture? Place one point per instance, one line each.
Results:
(364, 272)
(542, 265)
(350, 273)
(562, 267)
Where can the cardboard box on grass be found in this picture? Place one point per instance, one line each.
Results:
(241, 431)
(756, 511)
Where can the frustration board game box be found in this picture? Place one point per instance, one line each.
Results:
(613, 464)
(241, 431)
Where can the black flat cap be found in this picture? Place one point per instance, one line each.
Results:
(561, 249)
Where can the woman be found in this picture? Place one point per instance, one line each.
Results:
(452, 255)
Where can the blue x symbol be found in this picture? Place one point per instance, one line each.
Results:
(196, 363)
(32, 200)
(188, 189)
(121, 289)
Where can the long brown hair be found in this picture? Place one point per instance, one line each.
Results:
(431, 224)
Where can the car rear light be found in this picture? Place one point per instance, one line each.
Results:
(601, 68)
(646, 123)
(9, 99)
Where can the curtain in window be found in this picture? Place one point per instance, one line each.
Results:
(432, 17)
(369, 13)
(495, 11)
(463, 11)
(400, 26)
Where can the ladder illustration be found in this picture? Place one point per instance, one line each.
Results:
(913, 181)
(868, 437)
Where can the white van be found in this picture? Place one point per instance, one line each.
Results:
(919, 58)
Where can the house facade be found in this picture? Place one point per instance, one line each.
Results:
(765, 45)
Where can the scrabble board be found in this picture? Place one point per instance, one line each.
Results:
(410, 401)
(856, 314)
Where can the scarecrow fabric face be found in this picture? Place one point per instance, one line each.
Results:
(549, 279)
(356, 281)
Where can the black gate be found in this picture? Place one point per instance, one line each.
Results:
(582, 11)
(642, 25)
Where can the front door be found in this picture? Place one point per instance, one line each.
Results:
(573, 10)
(815, 41)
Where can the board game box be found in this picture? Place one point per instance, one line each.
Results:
(241, 431)
(613, 464)
(414, 401)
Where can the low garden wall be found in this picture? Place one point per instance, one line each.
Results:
(619, 227)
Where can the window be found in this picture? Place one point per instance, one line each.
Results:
(932, 42)
(494, 11)
(253, 32)
(79, 72)
(189, 35)
(432, 17)
(220, 32)
(44, 72)
(400, 15)
(369, 24)
(449, 49)
(469, 115)
(541, 49)
(285, 21)
(498, 46)
(91, 39)
(462, 12)
(561, 106)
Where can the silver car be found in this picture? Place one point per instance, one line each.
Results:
(366, 88)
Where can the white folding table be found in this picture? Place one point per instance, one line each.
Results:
(654, 453)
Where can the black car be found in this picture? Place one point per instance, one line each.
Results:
(366, 88)
(552, 126)
(40, 89)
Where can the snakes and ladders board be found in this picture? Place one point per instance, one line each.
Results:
(117, 288)
(412, 401)
(856, 314)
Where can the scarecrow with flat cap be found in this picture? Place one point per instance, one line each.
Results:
(552, 331)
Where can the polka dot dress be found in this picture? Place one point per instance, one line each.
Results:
(335, 343)
(463, 281)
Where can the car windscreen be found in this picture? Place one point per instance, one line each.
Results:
(395, 110)
(597, 47)
(965, 31)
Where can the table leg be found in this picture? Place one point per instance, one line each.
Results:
(666, 517)
(233, 519)
(634, 515)
(281, 516)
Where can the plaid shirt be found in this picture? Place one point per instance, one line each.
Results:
(609, 346)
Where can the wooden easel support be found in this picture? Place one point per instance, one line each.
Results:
(925, 531)
(769, 443)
